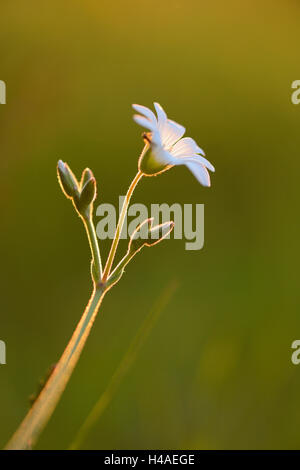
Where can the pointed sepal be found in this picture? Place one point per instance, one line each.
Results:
(67, 180)
(87, 196)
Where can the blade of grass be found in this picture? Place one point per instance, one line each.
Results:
(124, 365)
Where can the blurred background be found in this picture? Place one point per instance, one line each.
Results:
(216, 371)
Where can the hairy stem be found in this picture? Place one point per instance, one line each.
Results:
(116, 240)
(38, 416)
(92, 237)
(125, 364)
(40, 413)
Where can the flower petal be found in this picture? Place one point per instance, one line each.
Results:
(145, 112)
(155, 138)
(161, 115)
(144, 122)
(200, 172)
(199, 159)
(171, 132)
(204, 162)
(186, 147)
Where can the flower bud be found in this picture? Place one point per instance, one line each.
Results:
(84, 193)
(159, 232)
(136, 242)
(152, 236)
(86, 175)
(87, 196)
(67, 180)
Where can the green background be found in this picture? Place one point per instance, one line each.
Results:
(216, 371)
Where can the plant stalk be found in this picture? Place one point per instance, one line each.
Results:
(96, 258)
(38, 416)
(116, 239)
(125, 364)
(41, 411)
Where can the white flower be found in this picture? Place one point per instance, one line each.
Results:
(167, 147)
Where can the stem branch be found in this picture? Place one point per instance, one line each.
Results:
(116, 240)
(92, 237)
(45, 404)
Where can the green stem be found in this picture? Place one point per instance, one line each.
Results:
(125, 364)
(38, 416)
(116, 240)
(92, 237)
